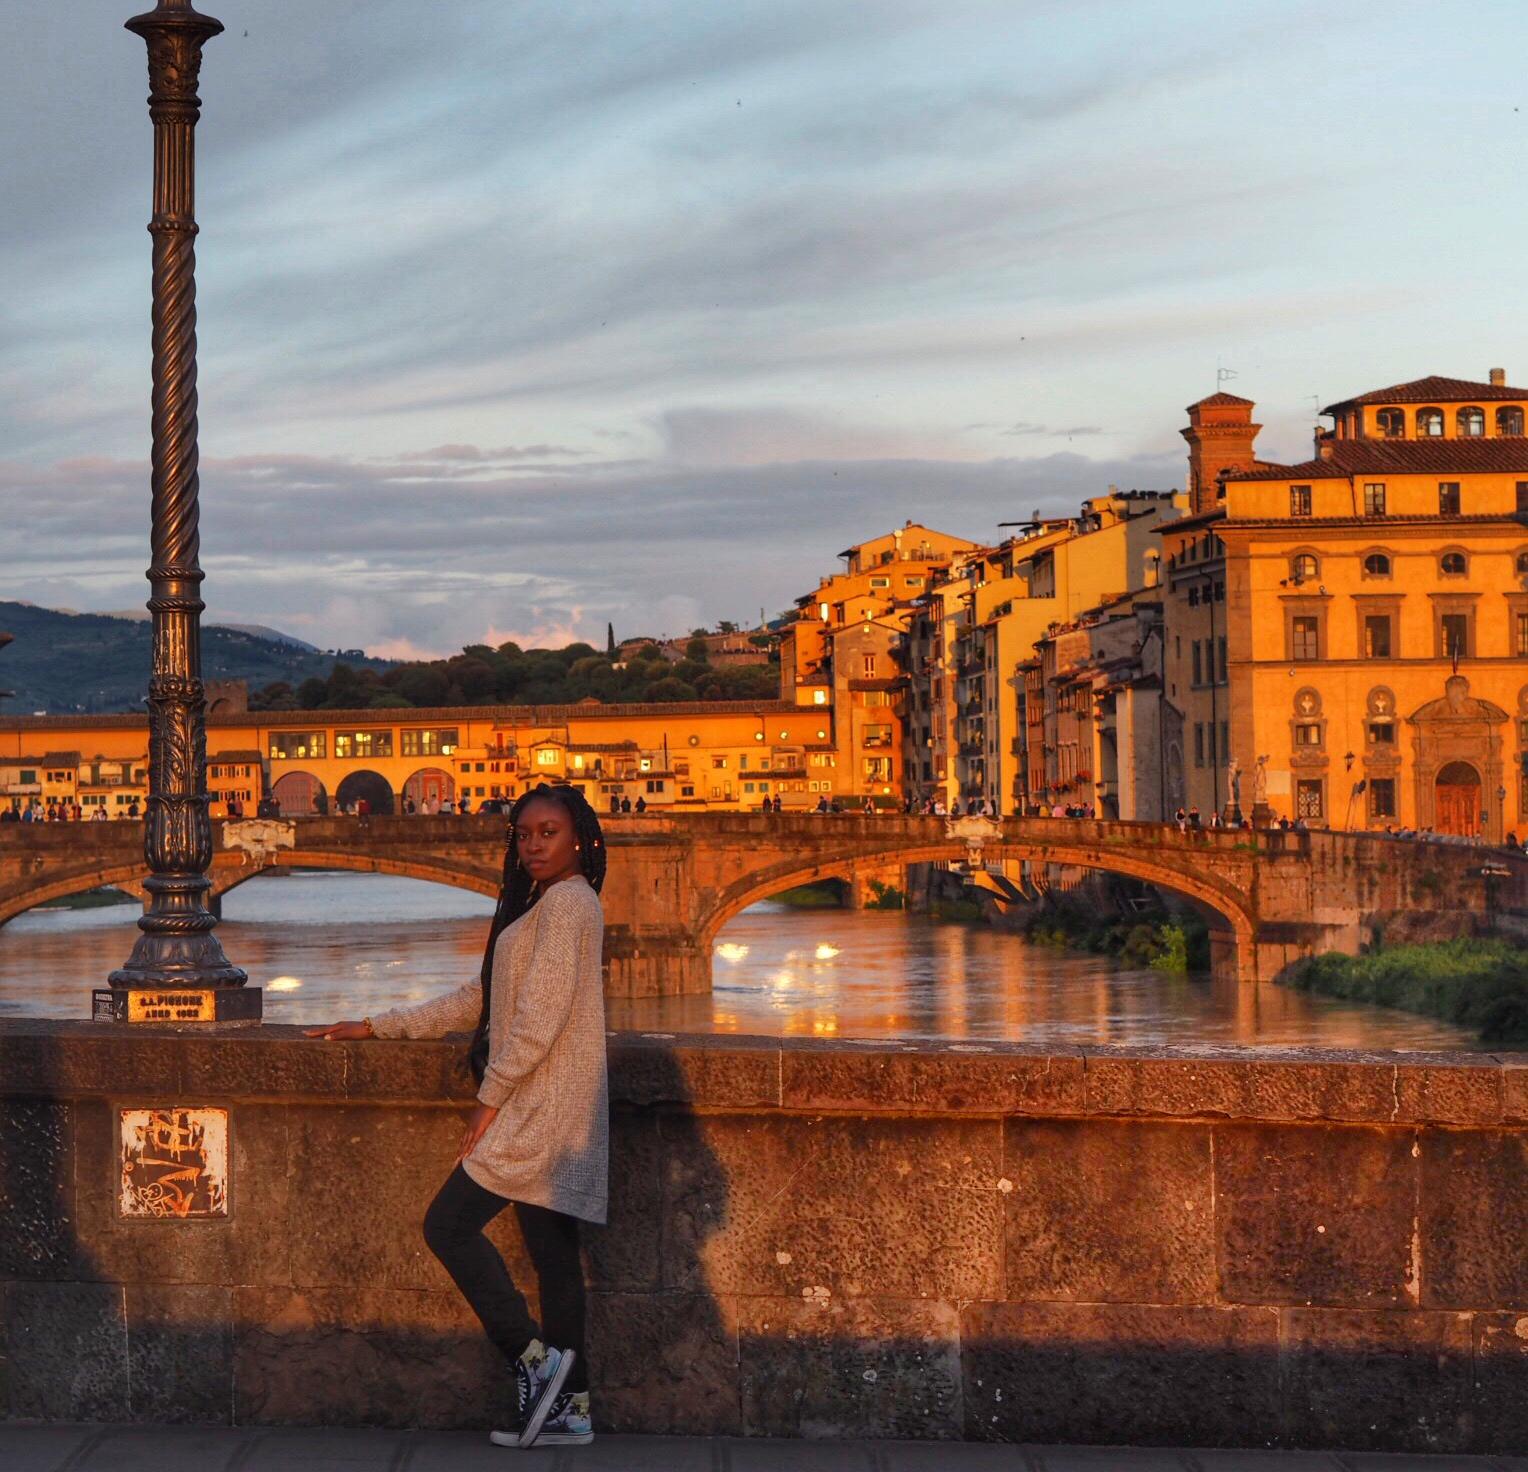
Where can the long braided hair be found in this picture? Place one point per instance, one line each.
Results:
(516, 891)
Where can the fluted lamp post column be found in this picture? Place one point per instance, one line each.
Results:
(177, 971)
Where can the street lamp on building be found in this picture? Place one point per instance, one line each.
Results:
(177, 971)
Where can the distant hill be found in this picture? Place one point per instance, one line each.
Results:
(95, 663)
(260, 631)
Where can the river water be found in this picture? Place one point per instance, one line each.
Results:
(332, 945)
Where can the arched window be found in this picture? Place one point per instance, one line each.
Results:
(1453, 564)
(1304, 567)
(1391, 423)
(1522, 564)
(1509, 420)
(1471, 422)
(1429, 423)
(1377, 565)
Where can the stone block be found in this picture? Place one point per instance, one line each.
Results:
(623, 1254)
(1240, 1084)
(822, 1077)
(732, 1072)
(40, 1237)
(180, 1352)
(1501, 1381)
(1453, 1089)
(777, 1205)
(405, 1069)
(1102, 1211)
(1004, 1081)
(65, 1058)
(259, 1064)
(1388, 1379)
(1120, 1374)
(1514, 1082)
(665, 1363)
(870, 1367)
(361, 1356)
(65, 1352)
(1306, 1214)
(249, 1245)
(390, 1162)
(1474, 1218)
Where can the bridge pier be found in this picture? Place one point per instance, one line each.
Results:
(667, 965)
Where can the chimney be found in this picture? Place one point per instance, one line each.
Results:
(1498, 377)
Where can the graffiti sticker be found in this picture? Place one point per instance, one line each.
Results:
(174, 1163)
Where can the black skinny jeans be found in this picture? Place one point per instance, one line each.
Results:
(453, 1231)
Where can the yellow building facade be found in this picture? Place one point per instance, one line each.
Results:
(722, 755)
(840, 655)
(1349, 634)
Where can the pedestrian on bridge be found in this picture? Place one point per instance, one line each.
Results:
(539, 1137)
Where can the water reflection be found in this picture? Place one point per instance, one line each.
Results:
(339, 945)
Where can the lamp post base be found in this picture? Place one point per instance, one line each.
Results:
(235, 1004)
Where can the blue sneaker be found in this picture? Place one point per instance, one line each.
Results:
(569, 1423)
(540, 1373)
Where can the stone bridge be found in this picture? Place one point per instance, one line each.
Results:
(674, 881)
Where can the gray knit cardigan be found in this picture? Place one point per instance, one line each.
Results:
(549, 1143)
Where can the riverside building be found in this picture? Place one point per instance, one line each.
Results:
(1348, 635)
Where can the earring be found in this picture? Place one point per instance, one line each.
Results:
(577, 847)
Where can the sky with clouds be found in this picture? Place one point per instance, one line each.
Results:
(516, 318)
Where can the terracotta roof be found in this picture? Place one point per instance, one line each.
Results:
(1430, 390)
(250, 755)
(1401, 457)
(61, 758)
(1217, 400)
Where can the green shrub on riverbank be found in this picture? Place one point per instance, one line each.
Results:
(1151, 938)
(809, 897)
(1478, 984)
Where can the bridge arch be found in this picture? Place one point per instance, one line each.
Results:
(300, 794)
(454, 877)
(372, 786)
(125, 877)
(1205, 890)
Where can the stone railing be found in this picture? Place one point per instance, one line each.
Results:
(806, 1239)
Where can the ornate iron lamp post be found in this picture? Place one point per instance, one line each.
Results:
(177, 971)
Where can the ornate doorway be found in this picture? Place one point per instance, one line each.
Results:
(1457, 745)
(1456, 800)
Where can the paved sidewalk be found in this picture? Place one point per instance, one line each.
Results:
(56, 1448)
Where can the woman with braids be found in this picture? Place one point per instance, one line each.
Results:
(539, 1136)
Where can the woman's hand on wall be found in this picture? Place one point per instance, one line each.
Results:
(482, 1117)
(340, 1031)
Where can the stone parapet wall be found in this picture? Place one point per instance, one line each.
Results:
(1099, 1245)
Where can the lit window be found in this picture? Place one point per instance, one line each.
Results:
(546, 756)
(1429, 423)
(1304, 567)
(1471, 422)
(1448, 498)
(1299, 500)
(1374, 498)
